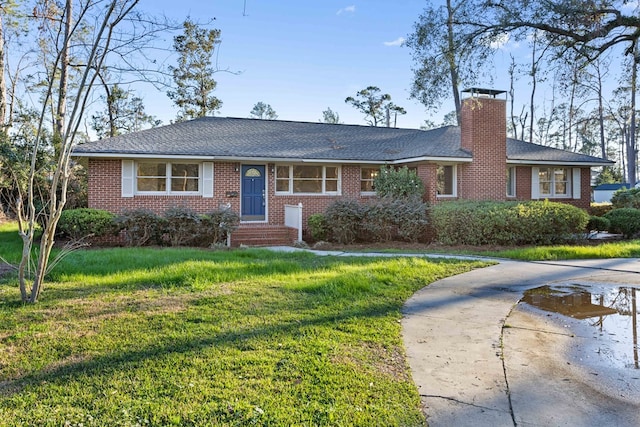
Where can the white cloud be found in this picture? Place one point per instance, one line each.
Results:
(348, 9)
(396, 42)
(500, 41)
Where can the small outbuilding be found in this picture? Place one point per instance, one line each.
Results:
(603, 192)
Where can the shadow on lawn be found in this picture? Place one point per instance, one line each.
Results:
(239, 339)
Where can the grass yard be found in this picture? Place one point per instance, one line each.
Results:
(622, 249)
(125, 337)
(592, 250)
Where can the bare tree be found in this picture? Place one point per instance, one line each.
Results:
(108, 14)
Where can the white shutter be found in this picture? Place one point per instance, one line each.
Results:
(576, 183)
(207, 179)
(535, 183)
(128, 178)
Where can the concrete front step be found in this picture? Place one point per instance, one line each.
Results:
(263, 235)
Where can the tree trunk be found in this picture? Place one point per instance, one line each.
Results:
(631, 149)
(61, 109)
(534, 82)
(3, 83)
(451, 59)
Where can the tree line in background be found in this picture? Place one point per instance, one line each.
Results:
(581, 68)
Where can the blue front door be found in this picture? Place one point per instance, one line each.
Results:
(253, 193)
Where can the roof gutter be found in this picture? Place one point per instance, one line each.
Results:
(268, 159)
(562, 163)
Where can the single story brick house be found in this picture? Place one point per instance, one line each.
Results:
(261, 168)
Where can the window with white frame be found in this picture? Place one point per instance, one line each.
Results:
(446, 181)
(367, 177)
(168, 178)
(307, 179)
(554, 182)
(511, 182)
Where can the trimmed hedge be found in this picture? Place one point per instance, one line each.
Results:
(84, 222)
(625, 221)
(344, 218)
(141, 227)
(382, 220)
(599, 209)
(179, 226)
(318, 227)
(392, 218)
(626, 198)
(506, 223)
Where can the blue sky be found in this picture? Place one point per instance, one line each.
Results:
(304, 56)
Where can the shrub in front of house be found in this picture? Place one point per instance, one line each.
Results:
(626, 198)
(344, 218)
(625, 221)
(598, 223)
(181, 226)
(216, 225)
(398, 183)
(318, 227)
(390, 218)
(506, 223)
(84, 222)
(141, 227)
(600, 209)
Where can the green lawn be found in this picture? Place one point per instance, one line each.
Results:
(593, 250)
(622, 249)
(125, 337)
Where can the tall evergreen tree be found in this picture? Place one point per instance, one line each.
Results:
(193, 76)
(263, 111)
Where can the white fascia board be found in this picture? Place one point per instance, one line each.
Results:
(120, 156)
(451, 160)
(272, 159)
(559, 163)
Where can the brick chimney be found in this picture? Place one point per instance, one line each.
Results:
(483, 132)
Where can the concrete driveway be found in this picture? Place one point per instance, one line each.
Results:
(480, 359)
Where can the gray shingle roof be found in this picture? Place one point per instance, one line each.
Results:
(526, 151)
(221, 137)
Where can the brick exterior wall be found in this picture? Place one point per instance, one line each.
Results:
(104, 185)
(483, 133)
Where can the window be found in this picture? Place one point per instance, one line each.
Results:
(446, 181)
(554, 182)
(367, 176)
(164, 177)
(511, 182)
(308, 179)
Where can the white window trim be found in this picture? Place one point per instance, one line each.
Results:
(454, 170)
(536, 192)
(512, 192)
(168, 191)
(324, 182)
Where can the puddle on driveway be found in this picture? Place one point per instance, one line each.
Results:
(607, 313)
